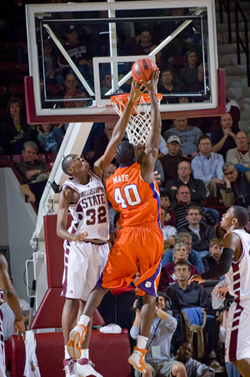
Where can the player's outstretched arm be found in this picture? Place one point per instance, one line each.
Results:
(119, 130)
(10, 295)
(152, 144)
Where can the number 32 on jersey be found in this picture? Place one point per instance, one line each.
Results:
(127, 196)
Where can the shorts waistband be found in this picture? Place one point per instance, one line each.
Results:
(96, 242)
(146, 225)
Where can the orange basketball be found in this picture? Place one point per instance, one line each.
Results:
(142, 69)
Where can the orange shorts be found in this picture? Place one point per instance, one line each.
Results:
(135, 249)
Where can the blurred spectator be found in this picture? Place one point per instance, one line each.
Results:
(52, 73)
(106, 85)
(188, 135)
(196, 186)
(49, 138)
(165, 202)
(70, 83)
(207, 166)
(232, 107)
(223, 138)
(168, 277)
(171, 160)
(161, 332)
(200, 232)
(79, 51)
(78, 96)
(194, 257)
(215, 250)
(240, 156)
(183, 197)
(145, 44)
(168, 85)
(14, 127)
(193, 295)
(30, 169)
(139, 150)
(199, 85)
(236, 189)
(187, 38)
(101, 142)
(189, 73)
(96, 131)
(193, 367)
(169, 232)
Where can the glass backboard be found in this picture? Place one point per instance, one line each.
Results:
(81, 54)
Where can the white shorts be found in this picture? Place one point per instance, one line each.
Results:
(2, 350)
(83, 265)
(237, 344)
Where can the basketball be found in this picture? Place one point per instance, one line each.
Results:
(142, 69)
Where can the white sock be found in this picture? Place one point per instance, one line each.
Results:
(84, 320)
(141, 342)
(85, 354)
(66, 354)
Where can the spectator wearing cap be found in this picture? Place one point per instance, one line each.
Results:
(80, 51)
(171, 160)
(207, 166)
(196, 186)
(189, 136)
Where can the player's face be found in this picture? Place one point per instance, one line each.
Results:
(181, 124)
(227, 219)
(205, 146)
(185, 352)
(29, 155)
(78, 166)
(216, 251)
(173, 148)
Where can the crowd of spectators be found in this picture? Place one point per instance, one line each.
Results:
(198, 160)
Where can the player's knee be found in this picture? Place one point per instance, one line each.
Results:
(71, 303)
(179, 370)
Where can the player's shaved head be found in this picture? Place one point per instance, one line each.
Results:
(241, 214)
(125, 153)
(66, 161)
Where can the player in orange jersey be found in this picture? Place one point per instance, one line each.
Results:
(133, 192)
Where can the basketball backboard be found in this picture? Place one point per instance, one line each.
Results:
(80, 57)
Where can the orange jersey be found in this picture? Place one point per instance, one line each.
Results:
(137, 201)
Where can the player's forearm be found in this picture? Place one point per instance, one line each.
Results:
(11, 297)
(64, 234)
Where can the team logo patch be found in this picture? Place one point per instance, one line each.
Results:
(148, 284)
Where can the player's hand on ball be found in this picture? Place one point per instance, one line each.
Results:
(80, 236)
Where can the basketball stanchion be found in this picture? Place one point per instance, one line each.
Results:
(139, 124)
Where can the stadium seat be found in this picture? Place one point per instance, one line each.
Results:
(16, 158)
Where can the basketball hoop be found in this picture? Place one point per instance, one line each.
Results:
(139, 124)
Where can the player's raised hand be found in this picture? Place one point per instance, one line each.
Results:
(136, 91)
(196, 278)
(151, 85)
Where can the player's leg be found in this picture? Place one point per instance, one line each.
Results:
(68, 320)
(243, 367)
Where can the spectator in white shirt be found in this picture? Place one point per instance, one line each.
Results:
(207, 166)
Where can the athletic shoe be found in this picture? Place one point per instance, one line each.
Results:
(76, 337)
(85, 368)
(70, 367)
(137, 359)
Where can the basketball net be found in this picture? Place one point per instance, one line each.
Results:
(139, 124)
